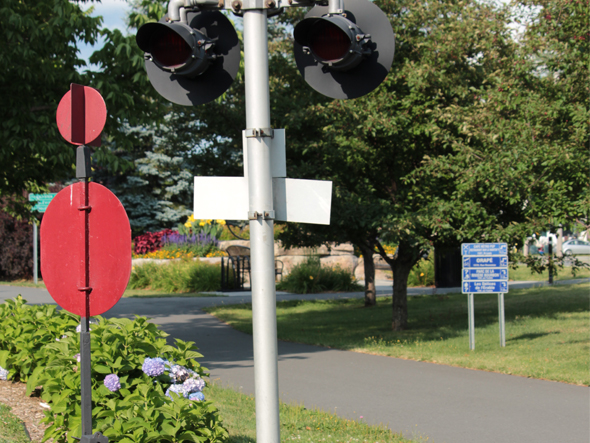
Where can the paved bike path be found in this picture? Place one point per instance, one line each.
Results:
(443, 403)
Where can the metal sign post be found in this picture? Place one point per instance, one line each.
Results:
(85, 238)
(485, 270)
(261, 215)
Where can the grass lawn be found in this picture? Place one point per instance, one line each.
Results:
(297, 423)
(12, 429)
(523, 273)
(547, 330)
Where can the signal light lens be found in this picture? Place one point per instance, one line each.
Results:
(169, 49)
(328, 42)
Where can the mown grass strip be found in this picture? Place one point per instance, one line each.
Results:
(297, 422)
(547, 330)
(12, 429)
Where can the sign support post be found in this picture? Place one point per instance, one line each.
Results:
(471, 320)
(35, 248)
(501, 319)
(261, 215)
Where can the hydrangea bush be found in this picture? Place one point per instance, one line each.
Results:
(143, 389)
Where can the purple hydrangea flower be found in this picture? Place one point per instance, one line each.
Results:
(112, 383)
(179, 374)
(197, 396)
(77, 357)
(153, 366)
(193, 385)
(3, 373)
(177, 389)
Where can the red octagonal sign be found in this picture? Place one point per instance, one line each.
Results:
(63, 249)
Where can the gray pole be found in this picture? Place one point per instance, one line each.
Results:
(501, 320)
(35, 247)
(261, 226)
(471, 320)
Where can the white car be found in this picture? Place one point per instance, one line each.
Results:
(573, 247)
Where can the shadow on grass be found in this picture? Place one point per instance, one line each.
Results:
(240, 439)
(532, 336)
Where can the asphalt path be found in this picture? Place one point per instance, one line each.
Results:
(443, 403)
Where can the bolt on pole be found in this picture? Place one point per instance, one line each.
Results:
(261, 227)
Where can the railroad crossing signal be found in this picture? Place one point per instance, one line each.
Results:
(193, 57)
(191, 62)
(344, 55)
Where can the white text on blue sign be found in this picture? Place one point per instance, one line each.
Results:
(473, 287)
(477, 249)
(485, 274)
(485, 262)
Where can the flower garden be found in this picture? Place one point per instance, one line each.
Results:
(195, 238)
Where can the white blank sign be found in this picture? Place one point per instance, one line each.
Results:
(302, 201)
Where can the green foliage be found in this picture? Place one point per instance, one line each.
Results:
(311, 277)
(422, 274)
(177, 276)
(40, 60)
(39, 345)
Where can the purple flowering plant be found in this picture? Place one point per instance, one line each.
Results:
(112, 382)
(182, 381)
(133, 368)
(199, 244)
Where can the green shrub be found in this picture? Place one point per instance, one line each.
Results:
(138, 411)
(422, 274)
(310, 277)
(177, 276)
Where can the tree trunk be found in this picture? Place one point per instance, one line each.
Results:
(401, 265)
(559, 245)
(399, 315)
(369, 264)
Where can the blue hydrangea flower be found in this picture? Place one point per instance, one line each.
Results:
(194, 384)
(153, 366)
(112, 383)
(197, 396)
(3, 373)
(177, 389)
(179, 374)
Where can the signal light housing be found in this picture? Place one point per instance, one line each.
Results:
(192, 62)
(344, 55)
(333, 41)
(176, 48)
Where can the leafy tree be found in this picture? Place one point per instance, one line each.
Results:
(472, 137)
(375, 146)
(40, 59)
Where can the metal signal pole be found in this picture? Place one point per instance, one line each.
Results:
(261, 216)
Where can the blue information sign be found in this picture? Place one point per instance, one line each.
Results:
(485, 274)
(485, 262)
(485, 267)
(478, 249)
(472, 287)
